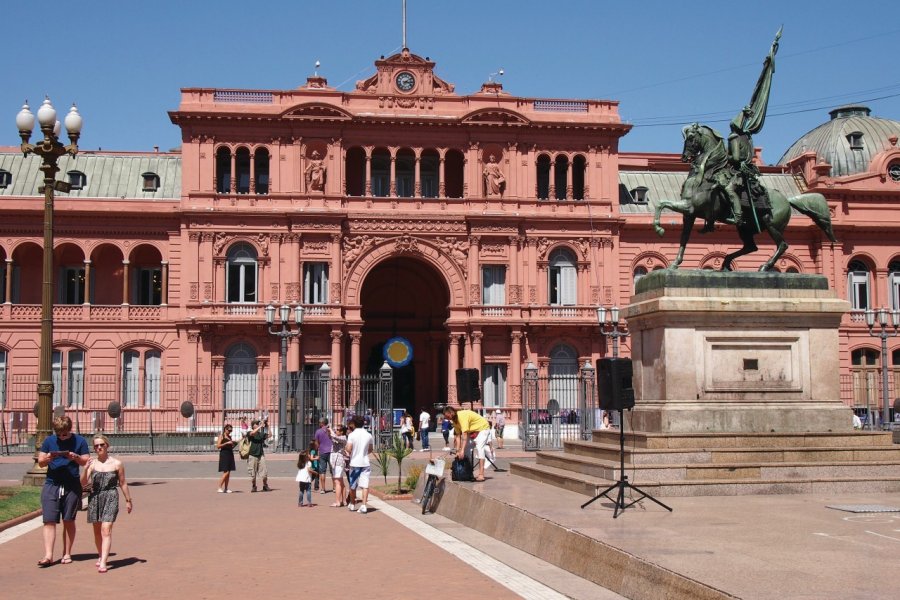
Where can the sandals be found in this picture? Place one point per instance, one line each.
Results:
(337, 504)
(65, 560)
(102, 569)
(479, 479)
(45, 562)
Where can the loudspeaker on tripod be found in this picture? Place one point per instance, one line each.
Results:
(467, 389)
(614, 383)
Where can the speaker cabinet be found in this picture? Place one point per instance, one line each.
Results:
(614, 383)
(467, 388)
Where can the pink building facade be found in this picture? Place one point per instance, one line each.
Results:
(484, 229)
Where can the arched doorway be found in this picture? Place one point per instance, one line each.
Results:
(406, 297)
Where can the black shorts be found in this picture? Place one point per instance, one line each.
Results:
(57, 501)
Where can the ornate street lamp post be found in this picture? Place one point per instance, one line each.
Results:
(50, 150)
(883, 333)
(284, 334)
(611, 328)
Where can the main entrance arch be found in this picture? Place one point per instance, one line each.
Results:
(407, 297)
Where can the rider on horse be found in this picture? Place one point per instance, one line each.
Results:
(741, 181)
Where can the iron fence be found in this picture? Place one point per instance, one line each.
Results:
(186, 414)
(558, 408)
(862, 391)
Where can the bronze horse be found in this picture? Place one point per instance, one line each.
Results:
(702, 196)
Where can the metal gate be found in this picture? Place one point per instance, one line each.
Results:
(313, 395)
(556, 409)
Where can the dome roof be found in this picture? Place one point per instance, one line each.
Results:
(848, 141)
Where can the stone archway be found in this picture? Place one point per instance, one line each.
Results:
(405, 296)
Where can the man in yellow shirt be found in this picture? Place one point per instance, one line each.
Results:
(468, 423)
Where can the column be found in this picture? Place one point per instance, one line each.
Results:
(355, 339)
(417, 185)
(9, 274)
(514, 291)
(393, 192)
(294, 358)
(514, 377)
(552, 187)
(442, 188)
(474, 272)
(232, 183)
(125, 277)
(368, 173)
(476, 349)
(218, 286)
(164, 296)
(252, 172)
(569, 181)
(452, 366)
(336, 335)
(87, 281)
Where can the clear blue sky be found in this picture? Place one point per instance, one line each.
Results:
(668, 63)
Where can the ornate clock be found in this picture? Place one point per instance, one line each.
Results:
(405, 81)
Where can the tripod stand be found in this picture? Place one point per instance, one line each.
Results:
(623, 481)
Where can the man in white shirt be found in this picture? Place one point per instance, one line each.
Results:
(424, 428)
(359, 444)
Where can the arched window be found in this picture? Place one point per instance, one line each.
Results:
(241, 274)
(894, 285)
(563, 373)
(543, 177)
(223, 170)
(151, 182)
(356, 172)
(429, 166)
(242, 170)
(579, 166)
(406, 173)
(560, 179)
(563, 284)
(261, 170)
(858, 285)
(77, 180)
(141, 383)
(67, 366)
(639, 272)
(240, 377)
(453, 171)
(381, 173)
(865, 370)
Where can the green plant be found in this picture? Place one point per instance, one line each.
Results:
(383, 462)
(399, 451)
(18, 501)
(412, 476)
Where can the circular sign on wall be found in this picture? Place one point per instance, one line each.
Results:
(398, 352)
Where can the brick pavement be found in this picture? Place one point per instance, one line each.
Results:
(184, 539)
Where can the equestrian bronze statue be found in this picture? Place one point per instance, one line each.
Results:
(724, 184)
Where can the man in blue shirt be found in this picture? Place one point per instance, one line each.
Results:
(62, 453)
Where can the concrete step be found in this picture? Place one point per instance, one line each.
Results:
(887, 480)
(640, 439)
(729, 455)
(669, 472)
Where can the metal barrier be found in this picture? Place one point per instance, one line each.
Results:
(555, 409)
(186, 414)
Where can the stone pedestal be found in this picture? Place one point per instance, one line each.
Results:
(736, 352)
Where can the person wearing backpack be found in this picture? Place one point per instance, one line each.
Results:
(256, 461)
(466, 424)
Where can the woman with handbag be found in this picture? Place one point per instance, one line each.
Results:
(105, 475)
(225, 444)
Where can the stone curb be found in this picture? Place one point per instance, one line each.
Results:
(19, 520)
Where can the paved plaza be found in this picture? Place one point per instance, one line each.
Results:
(184, 538)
